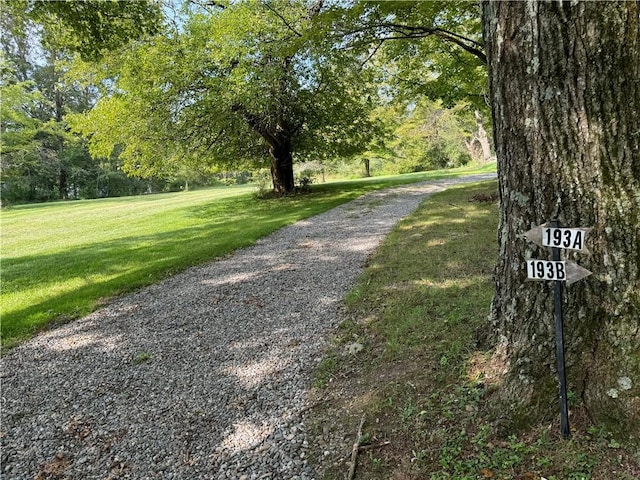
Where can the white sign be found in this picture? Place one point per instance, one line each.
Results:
(567, 238)
(546, 270)
(559, 271)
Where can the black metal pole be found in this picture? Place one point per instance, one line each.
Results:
(562, 379)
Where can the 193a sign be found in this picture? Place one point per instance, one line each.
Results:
(568, 238)
(565, 238)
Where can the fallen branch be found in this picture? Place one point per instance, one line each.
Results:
(354, 450)
(373, 446)
(312, 406)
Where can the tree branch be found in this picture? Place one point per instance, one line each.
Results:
(408, 32)
(315, 8)
(284, 20)
(354, 450)
(456, 39)
(215, 140)
(370, 56)
(209, 5)
(255, 123)
(412, 28)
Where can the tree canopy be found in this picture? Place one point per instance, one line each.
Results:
(426, 49)
(92, 28)
(230, 85)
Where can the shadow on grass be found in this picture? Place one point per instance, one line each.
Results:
(197, 379)
(418, 309)
(73, 282)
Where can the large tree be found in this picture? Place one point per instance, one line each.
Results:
(246, 81)
(565, 92)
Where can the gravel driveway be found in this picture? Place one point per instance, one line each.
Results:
(205, 375)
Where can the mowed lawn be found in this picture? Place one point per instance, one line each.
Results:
(61, 260)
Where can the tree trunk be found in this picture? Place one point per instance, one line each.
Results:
(282, 168)
(482, 138)
(59, 117)
(367, 167)
(280, 148)
(565, 92)
(62, 183)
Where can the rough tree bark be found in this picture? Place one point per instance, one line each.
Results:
(565, 92)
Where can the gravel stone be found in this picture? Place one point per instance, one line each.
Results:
(204, 375)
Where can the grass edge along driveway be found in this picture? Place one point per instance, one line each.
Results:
(423, 372)
(63, 260)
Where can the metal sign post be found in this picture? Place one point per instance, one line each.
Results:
(551, 235)
(562, 379)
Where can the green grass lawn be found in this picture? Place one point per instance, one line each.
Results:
(62, 260)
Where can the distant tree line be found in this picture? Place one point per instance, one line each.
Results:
(237, 87)
(41, 159)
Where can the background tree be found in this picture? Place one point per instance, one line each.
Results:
(430, 136)
(565, 91)
(18, 128)
(243, 83)
(34, 62)
(424, 50)
(41, 159)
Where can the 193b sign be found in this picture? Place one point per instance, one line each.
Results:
(546, 270)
